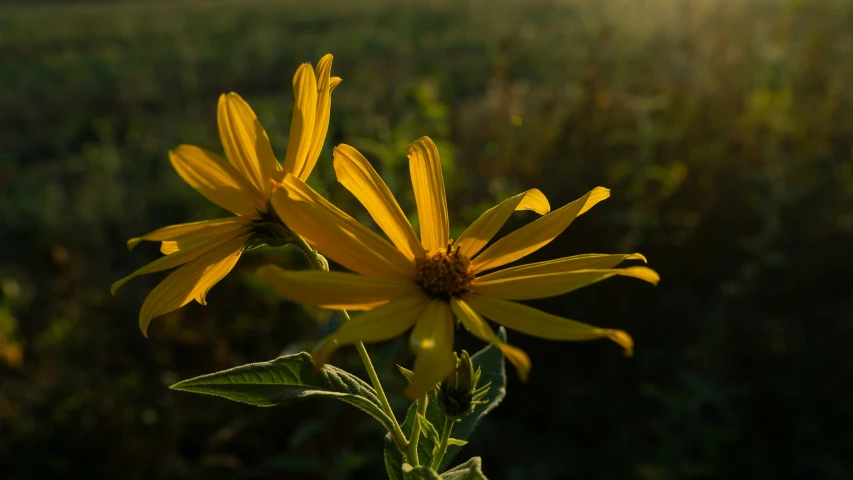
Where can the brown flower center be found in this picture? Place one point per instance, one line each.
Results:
(444, 273)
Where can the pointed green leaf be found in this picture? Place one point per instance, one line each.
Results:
(405, 371)
(287, 379)
(427, 429)
(456, 441)
(491, 362)
(470, 470)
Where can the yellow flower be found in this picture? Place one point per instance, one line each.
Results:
(206, 251)
(423, 283)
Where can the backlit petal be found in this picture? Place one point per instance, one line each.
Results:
(302, 123)
(359, 177)
(216, 180)
(589, 261)
(321, 115)
(335, 290)
(428, 183)
(553, 284)
(540, 324)
(245, 142)
(175, 237)
(432, 341)
(537, 233)
(476, 236)
(474, 323)
(183, 256)
(191, 282)
(337, 235)
(382, 323)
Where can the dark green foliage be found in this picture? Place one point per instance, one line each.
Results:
(723, 129)
(490, 362)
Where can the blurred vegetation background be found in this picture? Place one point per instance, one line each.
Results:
(723, 129)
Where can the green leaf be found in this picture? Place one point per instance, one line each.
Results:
(285, 380)
(427, 429)
(456, 441)
(419, 473)
(393, 460)
(491, 361)
(470, 470)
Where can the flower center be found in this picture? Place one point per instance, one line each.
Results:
(444, 273)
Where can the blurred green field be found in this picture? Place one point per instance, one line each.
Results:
(724, 129)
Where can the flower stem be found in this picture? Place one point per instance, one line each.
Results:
(396, 432)
(416, 432)
(442, 447)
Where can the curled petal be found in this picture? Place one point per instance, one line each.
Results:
(474, 323)
(192, 281)
(337, 235)
(428, 183)
(476, 236)
(245, 142)
(321, 114)
(185, 235)
(527, 287)
(589, 261)
(300, 141)
(540, 324)
(358, 176)
(179, 258)
(218, 181)
(537, 233)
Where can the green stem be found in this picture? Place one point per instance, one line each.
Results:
(416, 432)
(442, 447)
(396, 432)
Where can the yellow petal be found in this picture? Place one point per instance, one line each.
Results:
(432, 341)
(337, 235)
(334, 82)
(175, 237)
(245, 142)
(474, 323)
(553, 284)
(335, 290)
(537, 233)
(182, 257)
(191, 282)
(540, 324)
(589, 261)
(476, 236)
(216, 180)
(382, 323)
(302, 123)
(359, 177)
(321, 115)
(428, 183)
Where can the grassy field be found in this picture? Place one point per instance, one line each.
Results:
(724, 129)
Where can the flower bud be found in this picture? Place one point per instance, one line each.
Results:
(458, 394)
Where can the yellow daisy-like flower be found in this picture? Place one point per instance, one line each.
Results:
(206, 251)
(423, 283)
